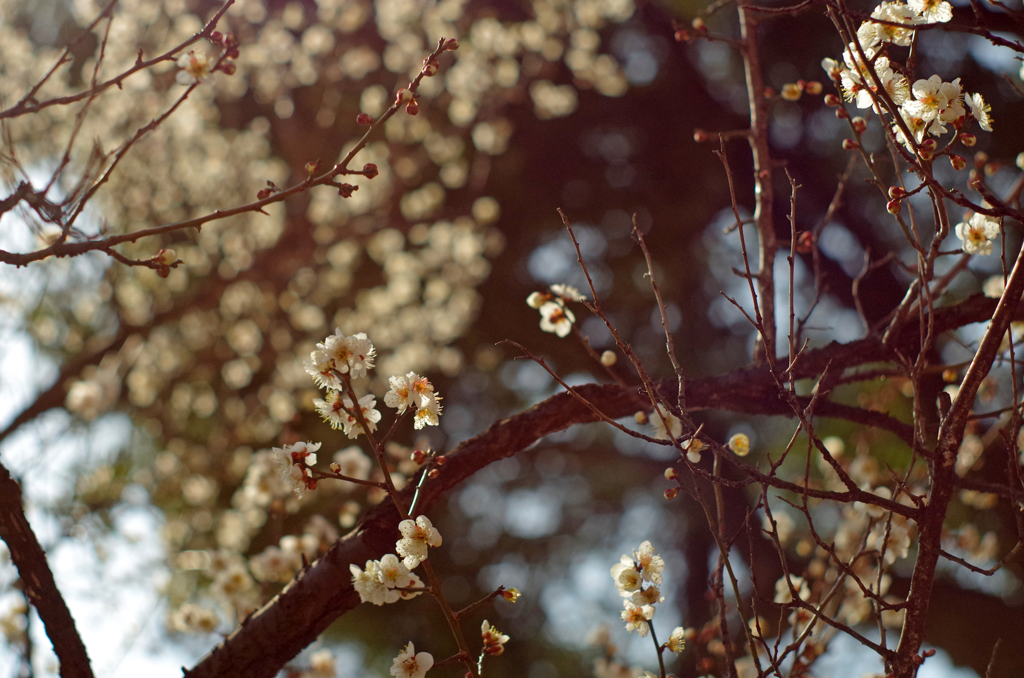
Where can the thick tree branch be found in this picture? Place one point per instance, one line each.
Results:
(29, 558)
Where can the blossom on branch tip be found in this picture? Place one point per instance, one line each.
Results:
(293, 462)
(977, 233)
(783, 593)
(677, 641)
(740, 444)
(409, 664)
(417, 535)
(370, 586)
(195, 67)
(627, 577)
(637, 618)
(340, 354)
(494, 640)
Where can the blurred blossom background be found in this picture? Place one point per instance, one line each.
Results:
(138, 411)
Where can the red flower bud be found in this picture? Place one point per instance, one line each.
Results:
(450, 45)
(346, 190)
(893, 206)
(671, 493)
(217, 38)
(700, 136)
(430, 66)
(968, 140)
(832, 100)
(804, 242)
(370, 170)
(957, 162)
(228, 67)
(850, 145)
(364, 119)
(413, 107)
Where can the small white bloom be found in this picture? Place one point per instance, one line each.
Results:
(408, 664)
(568, 292)
(660, 418)
(537, 299)
(428, 413)
(648, 596)
(417, 535)
(627, 577)
(370, 586)
(677, 641)
(981, 111)
(195, 67)
(637, 617)
(556, 318)
(321, 664)
(932, 11)
(977, 233)
(651, 564)
(393, 572)
(784, 595)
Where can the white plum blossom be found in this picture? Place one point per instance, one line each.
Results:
(417, 535)
(651, 564)
(556, 318)
(637, 617)
(370, 586)
(292, 462)
(677, 641)
(195, 67)
(409, 664)
(981, 111)
(428, 414)
(414, 390)
(333, 410)
(932, 11)
(393, 572)
(977, 233)
(340, 354)
(627, 578)
(660, 418)
(568, 292)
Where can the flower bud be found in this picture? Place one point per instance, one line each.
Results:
(312, 167)
(217, 38)
(850, 145)
(511, 595)
(980, 158)
(165, 257)
(893, 206)
(346, 190)
(263, 193)
(804, 242)
(699, 25)
(1020, 161)
(608, 358)
(813, 87)
(671, 474)
(897, 192)
(228, 68)
(413, 107)
(418, 456)
(364, 119)
(370, 170)
(671, 493)
(434, 473)
(404, 95)
(832, 100)
(929, 145)
(841, 114)
(768, 93)
(682, 35)
(451, 44)
(957, 162)
(441, 460)
(640, 417)
(335, 467)
(859, 124)
(740, 444)
(791, 91)
(968, 140)
(429, 66)
(700, 136)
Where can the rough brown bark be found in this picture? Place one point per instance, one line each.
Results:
(41, 590)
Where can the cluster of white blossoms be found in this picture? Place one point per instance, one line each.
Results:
(555, 317)
(339, 358)
(414, 390)
(927, 106)
(293, 462)
(637, 579)
(380, 581)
